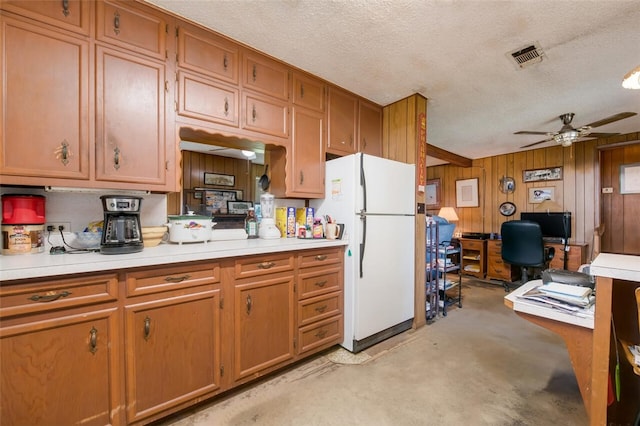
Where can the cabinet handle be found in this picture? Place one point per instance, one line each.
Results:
(249, 302)
(321, 283)
(364, 143)
(321, 257)
(266, 265)
(255, 73)
(50, 296)
(226, 106)
(116, 158)
(301, 177)
(65, 7)
(116, 23)
(302, 90)
(321, 333)
(253, 113)
(63, 153)
(147, 328)
(321, 309)
(351, 140)
(225, 62)
(93, 340)
(177, 279)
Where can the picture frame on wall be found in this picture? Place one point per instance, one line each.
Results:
(547, 174)
(467, 193)
(538, 195)
(630, 178)
(432, 194)
(219, 179)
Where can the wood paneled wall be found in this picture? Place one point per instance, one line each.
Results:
(576, 192)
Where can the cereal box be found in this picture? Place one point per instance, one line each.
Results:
(286, 221)
(304, 216)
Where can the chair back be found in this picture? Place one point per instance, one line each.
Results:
(522, 243)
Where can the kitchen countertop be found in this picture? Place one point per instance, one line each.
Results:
(41, 265)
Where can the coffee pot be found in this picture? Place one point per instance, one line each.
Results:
(121, 231)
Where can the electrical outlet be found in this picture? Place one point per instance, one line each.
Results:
(66, 226)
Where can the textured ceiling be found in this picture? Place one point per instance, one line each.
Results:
(456, 54)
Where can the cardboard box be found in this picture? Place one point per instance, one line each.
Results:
(304, 216)
(286, 221)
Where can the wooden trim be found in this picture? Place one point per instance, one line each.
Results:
(441, 154)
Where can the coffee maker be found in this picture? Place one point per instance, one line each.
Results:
(121, 231)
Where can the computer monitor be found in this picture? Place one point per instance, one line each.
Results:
(552, 224)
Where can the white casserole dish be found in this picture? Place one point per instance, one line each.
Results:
(190, 228)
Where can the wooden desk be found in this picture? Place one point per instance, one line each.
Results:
(590, 346)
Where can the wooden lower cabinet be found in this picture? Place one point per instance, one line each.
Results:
(474, 257)
(496, 267)
(133, 346)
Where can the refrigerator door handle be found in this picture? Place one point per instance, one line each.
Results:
(363, 218)
(363, 184)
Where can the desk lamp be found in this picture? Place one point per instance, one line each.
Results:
(448, 213)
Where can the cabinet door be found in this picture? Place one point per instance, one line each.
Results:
(61, 371)
(370, 127)
(263, 326)
(308, 92)
(206, 99)
(207, 54)
(265, 115)
(265, 75)
(308, 153)
(173, 352)
(343, 110)
(130, 119)
(45, 101)
(72, 15)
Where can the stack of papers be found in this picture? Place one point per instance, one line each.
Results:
(571, 294)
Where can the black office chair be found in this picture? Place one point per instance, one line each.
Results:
(522, 246)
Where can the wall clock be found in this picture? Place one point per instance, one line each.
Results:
(507, 209)
(507, 185)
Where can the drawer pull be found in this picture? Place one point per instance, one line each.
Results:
(266, 265)
(93, 340)
(50, 296)
(321, 283)
(177, 279)
(249, 303)
(225, 62)
(116, 23)
(147, 328)
(65, 7)
(116, 158)
(321, 309)
(321, 257)
(321, 333)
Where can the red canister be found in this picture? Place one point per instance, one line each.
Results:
(23, 209)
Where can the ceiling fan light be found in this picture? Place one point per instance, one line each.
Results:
(632, 79)
(250, 155)
(566, 138)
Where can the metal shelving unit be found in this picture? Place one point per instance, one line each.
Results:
(442, 258)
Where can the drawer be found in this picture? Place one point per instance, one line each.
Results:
(472, 244)
(312, 258)
(155, 280)
(319, 281)
(130, 27)
(264, 264)
(323, 333)
(318, 308)
(499, 269)
(42, 296)
(494, 247)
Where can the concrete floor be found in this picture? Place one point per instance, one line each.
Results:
(479, 365)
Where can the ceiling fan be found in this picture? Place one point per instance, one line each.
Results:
(568, 134)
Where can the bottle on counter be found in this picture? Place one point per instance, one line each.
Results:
(251, 224)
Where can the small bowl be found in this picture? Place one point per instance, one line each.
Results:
(87, 240)
(153, 235)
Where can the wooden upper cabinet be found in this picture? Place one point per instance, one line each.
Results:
(265, 75)
(307, 176)
(72, 15)
(342, 122)
(207, 99)
(137, 28)
(130, 118)
(265, 115)
(370, 128)
(308, 92)
(45, 108)
(205, 53)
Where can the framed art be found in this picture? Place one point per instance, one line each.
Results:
(551, 173)
(219, 179)
(216, 201)
(538, 195)
(507, 185)
(467, 193)
(507, 209)
(630, 178)
(238, 207)
(432, 193)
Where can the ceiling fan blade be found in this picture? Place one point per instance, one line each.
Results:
(525, 132)
(536, 143)
(601, 135)
(615, 117)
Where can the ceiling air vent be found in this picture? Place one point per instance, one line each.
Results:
(527, 55)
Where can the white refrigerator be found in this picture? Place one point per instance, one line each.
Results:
(375, 199)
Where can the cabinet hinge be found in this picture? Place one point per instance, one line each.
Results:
(221, 370)
(177, 77)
